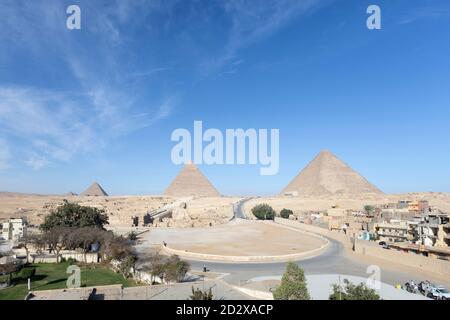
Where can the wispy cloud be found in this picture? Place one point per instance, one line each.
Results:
(165, 109)
(36, 163)
(113, 88)
(253, 21)
(425, 12)
(47, 122)
(59, 123)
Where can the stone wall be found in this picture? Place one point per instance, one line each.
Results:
(409, 259)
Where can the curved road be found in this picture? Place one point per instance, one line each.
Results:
(333, 261)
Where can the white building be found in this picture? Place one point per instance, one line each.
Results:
(14, 229)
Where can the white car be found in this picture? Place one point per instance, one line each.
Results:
(439, 293)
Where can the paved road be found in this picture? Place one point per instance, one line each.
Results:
(238, 210)
(333, 261)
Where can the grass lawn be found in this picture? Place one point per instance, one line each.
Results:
(53, 276)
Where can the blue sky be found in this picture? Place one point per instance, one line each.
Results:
(100, 104)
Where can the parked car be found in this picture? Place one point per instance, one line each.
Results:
(425, 287)
(411, 286)
(439, 293)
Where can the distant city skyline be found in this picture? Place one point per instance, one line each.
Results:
(100, 103)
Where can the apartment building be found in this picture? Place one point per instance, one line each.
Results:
(14, 229)
(393, 231)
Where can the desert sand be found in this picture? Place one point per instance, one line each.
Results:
(351, 202)
(237, 238)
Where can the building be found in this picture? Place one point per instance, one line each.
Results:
(396, 214)
(403, 204)
(336, 218)
(14, 229)
(446, 234)
(433, 230)
(419, 207)
(393, 231)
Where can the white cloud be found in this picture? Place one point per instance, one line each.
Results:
(422, 13)
(165, 109)
(36, 163)
(255, 20)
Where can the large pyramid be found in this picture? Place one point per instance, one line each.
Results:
(191, 182)
(95, 190)
(328, 175)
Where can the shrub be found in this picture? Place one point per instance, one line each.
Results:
(353, 292)
(198, 294)
(132, 236)
(26, 273)
(263, 212)
(285, 213)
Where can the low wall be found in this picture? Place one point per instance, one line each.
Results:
(370, 249)
(250, 259)
(90, 257)
(423, 263)
(257, 294)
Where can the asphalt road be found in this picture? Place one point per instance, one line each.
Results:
(238, 209)
(333, 261)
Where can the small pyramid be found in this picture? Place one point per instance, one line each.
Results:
(95, 190)
(328, 175)
(191, 182)
(71, 194)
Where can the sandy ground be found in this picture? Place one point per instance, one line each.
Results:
(236, 238)
(120, 209)
(438, 200)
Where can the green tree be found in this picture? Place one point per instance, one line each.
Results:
(175, 269)
(73, 215)
(127, 265)
(263, 212)
(353, 292)
(293, 284)
(285, 213)
(198, 294)
(29, 240)
(155, 266)
(132, 236)
(369, 209)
